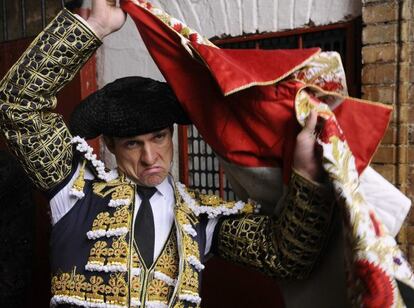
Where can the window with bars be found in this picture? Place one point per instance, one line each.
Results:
(26, 18)
(199, 168)
(202, 167)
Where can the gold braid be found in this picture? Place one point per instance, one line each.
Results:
(288, 246)
(38, 137)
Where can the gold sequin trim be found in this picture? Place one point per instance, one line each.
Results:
(67, 287)
(115, 256)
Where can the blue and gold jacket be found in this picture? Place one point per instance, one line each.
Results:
(94, 261)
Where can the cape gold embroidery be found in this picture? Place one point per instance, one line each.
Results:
(326, 71)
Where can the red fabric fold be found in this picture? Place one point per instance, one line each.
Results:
(238, 69)
(256, 126)
(364, 124)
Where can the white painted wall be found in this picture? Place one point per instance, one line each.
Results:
(123, 53)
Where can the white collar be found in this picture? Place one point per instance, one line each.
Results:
(164, 188)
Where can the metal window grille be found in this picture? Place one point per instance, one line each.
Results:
(204, 170)
(25, 18)
(199, 168)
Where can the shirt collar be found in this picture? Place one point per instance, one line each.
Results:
(165, 187)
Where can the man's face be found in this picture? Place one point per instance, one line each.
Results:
(147, 158)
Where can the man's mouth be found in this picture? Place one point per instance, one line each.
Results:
(152, 170)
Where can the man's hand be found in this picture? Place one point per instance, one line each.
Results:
(105, 17)
(307, 158)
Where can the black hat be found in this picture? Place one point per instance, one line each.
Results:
(127, 107)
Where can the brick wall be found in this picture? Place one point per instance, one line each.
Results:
(388, 76)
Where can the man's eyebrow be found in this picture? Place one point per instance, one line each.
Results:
(161, 131)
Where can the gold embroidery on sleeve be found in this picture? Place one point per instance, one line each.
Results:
(38, 137)
(287, 247)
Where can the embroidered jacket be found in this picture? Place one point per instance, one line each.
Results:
(94, 261)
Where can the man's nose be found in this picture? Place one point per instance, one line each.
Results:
(148, 155)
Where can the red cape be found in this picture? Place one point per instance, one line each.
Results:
(240, 102)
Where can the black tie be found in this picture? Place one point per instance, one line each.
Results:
(144, 231)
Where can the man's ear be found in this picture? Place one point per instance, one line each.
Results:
(110, 143)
